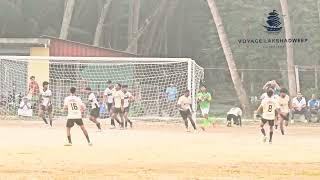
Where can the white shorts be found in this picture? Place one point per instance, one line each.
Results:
(205, 111)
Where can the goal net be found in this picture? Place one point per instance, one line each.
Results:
(148, 80)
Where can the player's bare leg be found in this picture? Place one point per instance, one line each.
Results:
(41, 115)
(271, 134)
(115, 117)
(127, 120)
(69, 137)
(192, 122)
(94, 120)
(263, 132)
(50, 118)
(85, 132)
(122, 120)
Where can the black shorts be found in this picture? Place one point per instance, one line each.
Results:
(95, 112)
(109, 105)
(232, 116)
(185, 114)
(43, 108)
(271, 122)
(70, 122)
(117, 110)
(285, 117)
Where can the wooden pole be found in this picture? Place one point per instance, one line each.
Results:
(315, 77)
(296, 69)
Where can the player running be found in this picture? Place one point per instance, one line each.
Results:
(269, 106)
(128, 98)
(204, 99)
(75, 107)
(185, 108)
(284, 105)
(45, 103)
(108, 100)
(94, 113)
(118, 103)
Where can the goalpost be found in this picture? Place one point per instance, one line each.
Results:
(147, 78)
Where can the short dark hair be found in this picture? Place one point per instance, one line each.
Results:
(32, 77)
(109, 82)
(119, 85)
(88, 88)
(73, 90)
(124, 86)
(270, 92)
(45, 83)
(186, 91)
(283, 90)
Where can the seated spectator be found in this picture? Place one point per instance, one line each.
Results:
(234, 114)
(25, 108)
(299, 106)
(313, 107)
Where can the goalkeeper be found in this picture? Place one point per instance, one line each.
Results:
(204, 99)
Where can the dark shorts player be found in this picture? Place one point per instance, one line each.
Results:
(75, 107)
(118, 102)
(284, 105)
(108, 100)
(184, 105)
(45, 103)
(128, 98)
(269, 106)
(95, 110)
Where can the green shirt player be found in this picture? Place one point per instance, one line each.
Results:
(204, 99)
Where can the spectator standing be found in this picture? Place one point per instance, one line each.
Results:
(34, 92)
(171, 93)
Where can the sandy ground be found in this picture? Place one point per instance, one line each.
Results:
(157, 151)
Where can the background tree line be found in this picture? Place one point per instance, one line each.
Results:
(179, 28)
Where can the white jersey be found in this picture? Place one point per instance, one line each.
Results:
(185, 102)
(45, 97)
(108, 92)
(117, 97)
(127, 97)
(269, 106)
(74, 104)
(284, 103)
(235, 111)
(93, 100)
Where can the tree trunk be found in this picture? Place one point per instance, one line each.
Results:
(242, 95)
(290, 61)
(103, 15)
(145, 26)
(318, 7)
(67, 19)
(133, 27)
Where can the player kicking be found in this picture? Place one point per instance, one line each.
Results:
(118, 102)
(94, 112)
(269, 106)
(45, 103)
(128, 98)
(285, 105)
(75, 107)
(184, 105)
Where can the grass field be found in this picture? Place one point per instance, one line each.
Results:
(157, 151)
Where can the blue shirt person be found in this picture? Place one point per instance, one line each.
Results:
(313, 103)
(171, 92)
